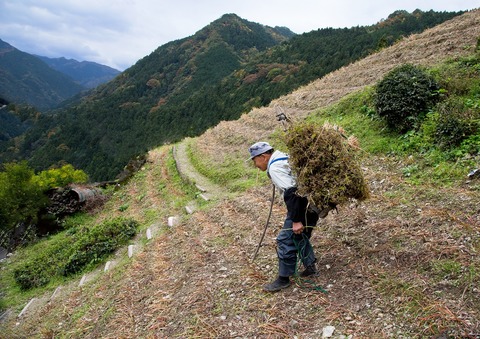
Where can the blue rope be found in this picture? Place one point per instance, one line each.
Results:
(301, 282)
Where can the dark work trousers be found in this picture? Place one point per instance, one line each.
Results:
(289, 244)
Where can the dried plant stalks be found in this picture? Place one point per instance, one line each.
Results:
(326, 164)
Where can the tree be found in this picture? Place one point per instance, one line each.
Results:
(59, 177)
(20, 196)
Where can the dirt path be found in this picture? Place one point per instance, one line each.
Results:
(188, 172)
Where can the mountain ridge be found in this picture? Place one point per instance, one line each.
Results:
(27, 79)
(88, 74)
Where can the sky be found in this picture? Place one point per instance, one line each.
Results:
(118, 33)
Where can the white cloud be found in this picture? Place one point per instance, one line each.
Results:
(120, 32)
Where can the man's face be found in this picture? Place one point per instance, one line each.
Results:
(261, 161)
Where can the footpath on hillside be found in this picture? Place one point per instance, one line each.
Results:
(188, 172)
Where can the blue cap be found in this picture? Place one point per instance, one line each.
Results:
(259, 148)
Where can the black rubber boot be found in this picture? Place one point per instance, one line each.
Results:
(309, 271)
(279, 284)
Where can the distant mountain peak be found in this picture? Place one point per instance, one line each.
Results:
(26, 79)
(5, 47)
(242, 34)
(88, 74)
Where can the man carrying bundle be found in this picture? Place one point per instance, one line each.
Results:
(294, 237)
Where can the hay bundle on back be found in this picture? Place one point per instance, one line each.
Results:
(325, 163)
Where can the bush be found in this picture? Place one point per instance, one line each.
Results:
(31, 275)
(73, 253)
(42, 263)
(95, 243)
(20, 197)
(60, 177)
(404, 96)
(455, 124)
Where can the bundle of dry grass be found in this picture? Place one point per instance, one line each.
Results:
(325, 163)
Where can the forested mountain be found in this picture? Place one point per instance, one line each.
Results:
(189, 85)
(26, 79)
(11, 124)
(85, 73)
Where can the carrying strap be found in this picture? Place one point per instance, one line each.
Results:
(274, 160)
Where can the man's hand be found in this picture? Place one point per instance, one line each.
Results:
(297, 227)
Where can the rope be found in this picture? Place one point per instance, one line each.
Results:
(301, 282)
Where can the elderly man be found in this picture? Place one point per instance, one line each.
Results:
(294, 237)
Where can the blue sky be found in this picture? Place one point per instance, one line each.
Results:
(118, 33)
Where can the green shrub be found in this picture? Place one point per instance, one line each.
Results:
(20, 197)
(95, 243)
(60, 177)
(455, 124)
(471, 145)
(74, 252)
(42, 262)
(404, 96)
(31, 275)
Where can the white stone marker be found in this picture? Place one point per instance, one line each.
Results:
(56, 292)
(26, 307)
(130, 250)
(201, 189)
(149, 233)
(172, 221)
